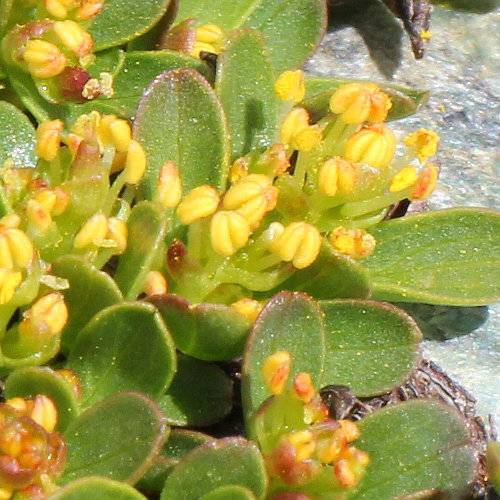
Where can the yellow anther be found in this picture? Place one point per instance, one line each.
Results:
(304, 444)
(426, 182)
(48, 139)
(74, 37)
(425, 35)
(424, 142)
(201, 202)
(6, 260)
(117, 232)
(303, 387)
(351, 466)
(299, 244)
(20, 246)
(209, 33)
(307, 138)
(46, 317)
(350, 429)
(56, 8)
(403, 179)
(88, 9)
(290, 86)
(93, 232)
(155, 284)
(9, 281)
(374, 144)
(330, 449)
(169, 188)
(10, 221)
(46, 198)
(328, 176)
(61, 203)
(135, 164)
(44, 412)
(38, 215)
(229, 231)
(360, 102)
(250, 308)
(121, 134)
(275, 370)
(297, 133)
(44, 59)
(355, 243)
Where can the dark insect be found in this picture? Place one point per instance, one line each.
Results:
(340, 400)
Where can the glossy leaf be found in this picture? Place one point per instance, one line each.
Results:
(200, 394)
(147, 225)
(414, 446)
(292, 28)
(126, 347)
(90, 291)
(229, 492)
(212, 332)
(122, 20)
(230, 461)
(370, 347)
(245, 86)
(405, 102)
(17, 140)
(179, 444)
(291, 322)
(117, 438)
(30, 381)
(444, 257)
(97, 488)
(179, 118)
(331, 276)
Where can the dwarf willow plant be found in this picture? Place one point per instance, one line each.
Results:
(188, 196)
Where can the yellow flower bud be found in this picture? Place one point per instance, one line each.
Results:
(155, 284)
(44, 412)
(290, 86)
(249, 308)
(10, 221)
(9, 281)
(328, 177)
(201, 202)
(20, 247)
(275, 370)
(135, 164)
(74, 37)
(93, 232)
(299, 244)
(403, 179)
(424, 142)
(304, 444)
(229, 231)
(200, 47)
(6, 261)
(350, 467)
(360, 102)
(56, 8)
(350, 430)
(47, 316)
(88, 9)
(374, 144)
(355, 243)
(303, 387)
(44, 59)
(117, 232)
(209, 33)
(297, 133)
(426, 182)
(38, 215)
(61, 203)
(48, 139)
(169, 189)
(121, 134)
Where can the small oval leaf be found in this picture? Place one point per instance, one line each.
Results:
(96, 488)
(230, 492)
(126, 347)
(117, 438)
(370, 347)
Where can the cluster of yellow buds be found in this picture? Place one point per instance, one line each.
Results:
(33, 455)
(299, 441)
(208, 38)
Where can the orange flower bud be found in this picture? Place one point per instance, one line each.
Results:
(276, 370)
(303, 387)
(304, 444)
(248, 307)
(355, 243)
(155, 284)
(426, 182)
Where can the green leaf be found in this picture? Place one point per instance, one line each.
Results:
(147, 225)
(445, 257)
(17, 137)
(405, 102)
(137, 72)
(126, 347)
(122, 20)
(179, 444)
(292, 28)
(245, 86)
(200, 394)
(117, 438)
(330, 276)
(229, 492)
(28, 382)
(90, 291)
(289, 322)
(493, 463)
(414, 446)
(212, 332)
(5, 8)
(230, 461)
(370, 347)
(179, 118)
(97, 488)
